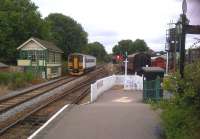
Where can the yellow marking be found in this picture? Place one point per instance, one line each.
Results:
(69, 64)
(75, 63)
(123, 100)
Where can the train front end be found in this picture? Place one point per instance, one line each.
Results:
(75, 64)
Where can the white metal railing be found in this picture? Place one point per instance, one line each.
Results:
(130, 82)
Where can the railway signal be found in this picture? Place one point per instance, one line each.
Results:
(118, 57)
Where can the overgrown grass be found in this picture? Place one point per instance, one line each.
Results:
(181, 113)
(16, 80)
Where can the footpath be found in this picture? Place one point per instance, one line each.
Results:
(117, 114)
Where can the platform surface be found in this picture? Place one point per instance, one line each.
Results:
(117, 114)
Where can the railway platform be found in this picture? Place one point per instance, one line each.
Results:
(116, 114)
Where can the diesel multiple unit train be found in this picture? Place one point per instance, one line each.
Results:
(79, 64)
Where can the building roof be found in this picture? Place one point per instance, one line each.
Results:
(2, 65)
(48, 45)
(152, 69)
(155, 57)
(137, 53)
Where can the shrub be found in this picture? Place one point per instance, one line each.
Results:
(16, 79)
(181, 113)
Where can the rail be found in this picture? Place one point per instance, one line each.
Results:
(70, 92)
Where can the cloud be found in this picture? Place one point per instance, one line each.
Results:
(109, 21)
(194, 11)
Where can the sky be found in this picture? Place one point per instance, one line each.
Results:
(109, 21)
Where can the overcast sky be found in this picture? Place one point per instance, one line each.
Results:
(109, 21)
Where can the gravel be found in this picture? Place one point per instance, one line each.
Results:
(37, 100)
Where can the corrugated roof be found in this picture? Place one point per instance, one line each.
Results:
(48, 45)
(2, 65)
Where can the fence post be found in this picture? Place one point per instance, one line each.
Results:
(91, 93)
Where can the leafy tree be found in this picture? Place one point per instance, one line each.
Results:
(19, 20)
(130, 46)
(96, 49)
(66, 33)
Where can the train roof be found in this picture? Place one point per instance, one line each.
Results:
(82, 55)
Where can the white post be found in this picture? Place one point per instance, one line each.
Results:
(91, 93)
(126, 61)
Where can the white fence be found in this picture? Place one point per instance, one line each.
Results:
(130, 82)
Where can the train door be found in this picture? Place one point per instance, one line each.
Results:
(75, 62)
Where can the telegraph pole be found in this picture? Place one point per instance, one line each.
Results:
(182, 54)
(183, 21)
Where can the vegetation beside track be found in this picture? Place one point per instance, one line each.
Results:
(15, 80)
(181, 113)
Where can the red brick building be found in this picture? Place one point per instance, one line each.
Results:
(158, 61)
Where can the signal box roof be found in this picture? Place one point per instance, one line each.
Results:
(44, 44)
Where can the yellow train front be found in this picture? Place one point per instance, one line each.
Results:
(79, 64)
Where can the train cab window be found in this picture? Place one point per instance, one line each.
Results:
(70, 58)
(80, 58)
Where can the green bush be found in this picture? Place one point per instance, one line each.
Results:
(16, 79)
(181, 113)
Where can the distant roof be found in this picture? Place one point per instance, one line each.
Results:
(153, 69)
(137, 53)
(49, 45)
(2, 65)
(162, 56)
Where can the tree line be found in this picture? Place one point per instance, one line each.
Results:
(130, 47)
(20, 20)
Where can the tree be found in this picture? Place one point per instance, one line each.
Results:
(19, 20)
(66, 33)
(130, 46)
(96, 49)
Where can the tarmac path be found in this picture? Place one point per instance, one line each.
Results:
(117, 114)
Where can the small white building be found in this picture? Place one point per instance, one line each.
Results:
(41, 57)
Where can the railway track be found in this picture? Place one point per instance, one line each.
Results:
(12, 101)
(70, 96)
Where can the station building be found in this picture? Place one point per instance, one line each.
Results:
(41, 57)
(159, 61)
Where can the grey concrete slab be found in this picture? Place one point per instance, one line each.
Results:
(117, 114)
